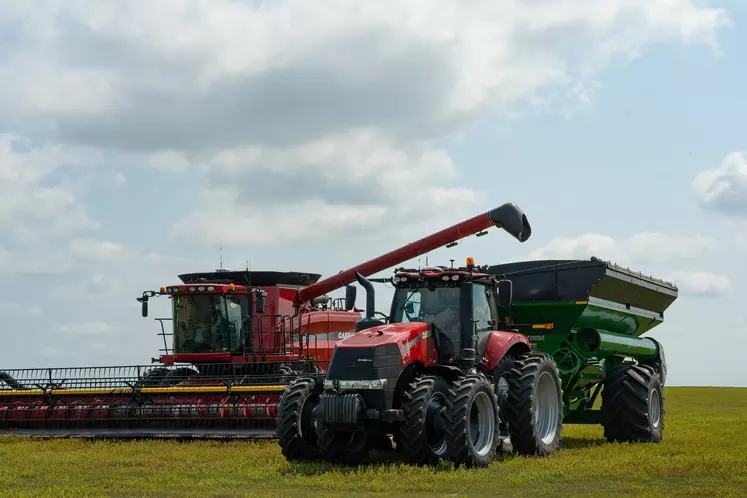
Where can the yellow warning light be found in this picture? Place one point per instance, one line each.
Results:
(231, 286)
(470, 261)
(163, 289)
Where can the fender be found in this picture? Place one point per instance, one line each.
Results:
(498, 343)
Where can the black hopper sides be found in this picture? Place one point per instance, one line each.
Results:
(580, 280)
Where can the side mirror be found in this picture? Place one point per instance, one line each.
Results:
(351, 292)
(145, 307)
(259, 303)
(505, 293)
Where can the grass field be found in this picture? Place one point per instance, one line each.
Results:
(704, 453)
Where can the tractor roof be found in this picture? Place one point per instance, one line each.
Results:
(441, 275)
(252, 278)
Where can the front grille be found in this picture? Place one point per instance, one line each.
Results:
(352, 363)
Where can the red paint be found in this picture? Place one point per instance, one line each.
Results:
(414, 340)
(498, 343)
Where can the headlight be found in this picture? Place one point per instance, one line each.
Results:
(356, 384)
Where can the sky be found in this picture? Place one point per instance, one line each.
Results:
(138, 138)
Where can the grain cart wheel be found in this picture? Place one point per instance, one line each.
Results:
(472, 422)
(295, 427)
(633, 405)
(344, 447)
(534, 410)
(422, 435)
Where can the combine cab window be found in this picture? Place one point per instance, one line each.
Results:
(207, 323)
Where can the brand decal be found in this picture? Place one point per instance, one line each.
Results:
(343, 335)
(536, 338)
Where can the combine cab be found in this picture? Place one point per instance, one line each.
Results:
(235, 341)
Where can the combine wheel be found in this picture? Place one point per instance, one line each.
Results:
(295, 427)
(422, 435)
(534, 410)
(342, 447)
(472, 422)
(633, 405)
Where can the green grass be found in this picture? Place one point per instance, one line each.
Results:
(704, 453)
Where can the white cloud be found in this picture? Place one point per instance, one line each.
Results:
(90, 329)
(701, 284)
(20, 308)
(644, 247)
(724, 188)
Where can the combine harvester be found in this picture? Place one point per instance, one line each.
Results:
(237, 340)
(473, 357)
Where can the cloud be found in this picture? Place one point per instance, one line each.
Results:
(316, 119)
(644, 247)
(89, 329)
(214, 74)
(701, 284)
(724, 188)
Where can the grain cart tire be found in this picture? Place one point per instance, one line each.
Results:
(422, 435)
(342, 447)
(472, 422)
(534, 410)
(633, 405)
(295, 426)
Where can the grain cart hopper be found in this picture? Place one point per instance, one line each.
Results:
(474, 355)
(589, 316)
(237, 339)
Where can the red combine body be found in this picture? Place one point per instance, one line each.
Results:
(237, 340)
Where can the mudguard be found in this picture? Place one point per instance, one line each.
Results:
(498, 343)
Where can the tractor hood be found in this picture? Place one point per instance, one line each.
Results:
(395, 333)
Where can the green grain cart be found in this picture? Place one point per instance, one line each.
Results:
(590, 315)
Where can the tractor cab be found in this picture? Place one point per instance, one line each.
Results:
(461, 304)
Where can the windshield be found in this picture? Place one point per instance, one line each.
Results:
(207, 323)
(440, 306)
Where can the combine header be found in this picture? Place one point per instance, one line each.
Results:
(237, 340)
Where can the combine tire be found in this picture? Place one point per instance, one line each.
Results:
(295, 427)
(422, 435)
(472, 422)
(534, 410)
(633, 405)
(342, 447)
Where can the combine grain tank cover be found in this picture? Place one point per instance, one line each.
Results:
(256, 278)
(582, 280)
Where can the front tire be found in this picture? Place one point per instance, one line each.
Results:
(422, 435)
(472, 427)
(342, 447)
(295, 427)
(534, 410)
(633, 405)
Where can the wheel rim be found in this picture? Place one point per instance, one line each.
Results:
(654, 410)
(546, 409)
(435, 424)
(482, 423)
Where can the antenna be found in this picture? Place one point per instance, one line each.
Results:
(426, 260)
(221, 257)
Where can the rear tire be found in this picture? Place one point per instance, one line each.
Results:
(472, 422)
(296, 434)
(422, 436)
(633, 405)
(534, 410)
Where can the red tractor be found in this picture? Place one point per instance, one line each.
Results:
(436, 377)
